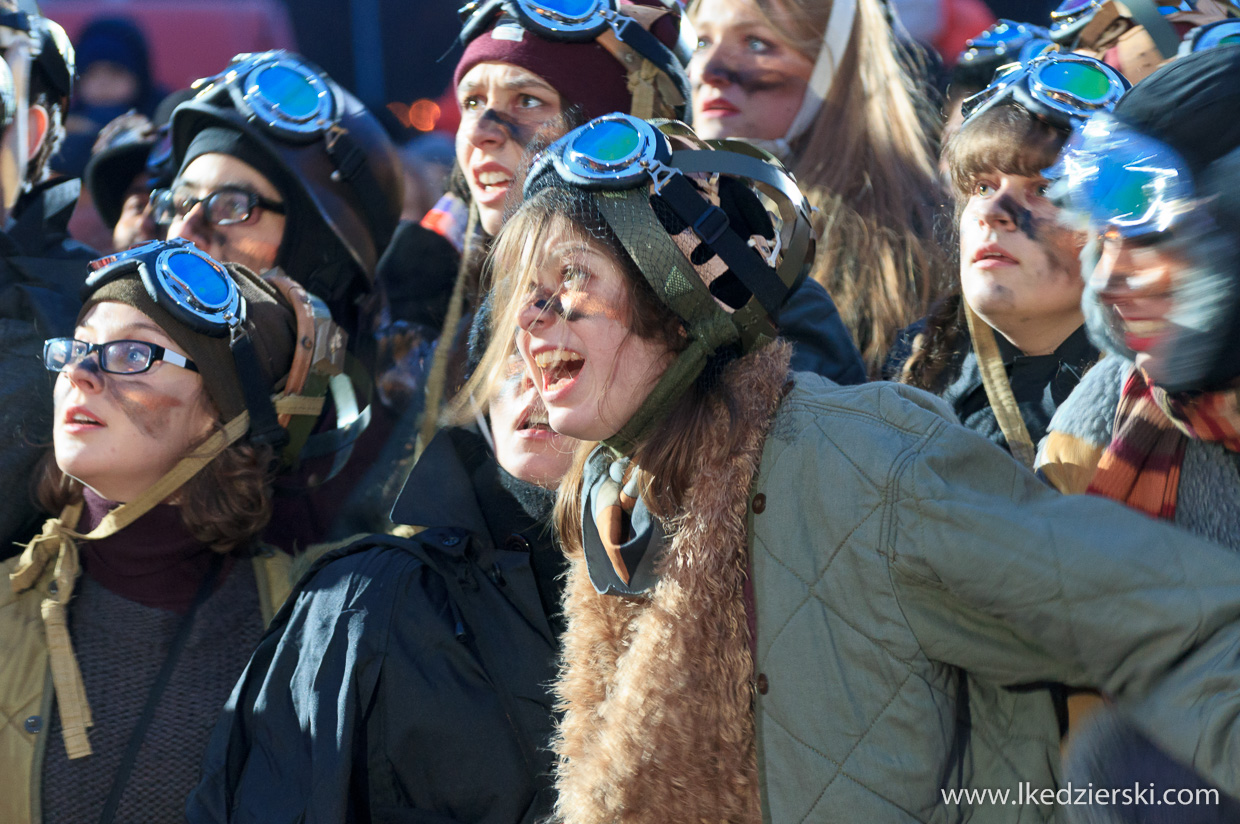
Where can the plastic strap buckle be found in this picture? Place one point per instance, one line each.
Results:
(711, 224)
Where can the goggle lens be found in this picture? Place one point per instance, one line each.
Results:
(288, 91)
(198, 281)
(1081, 80)
(607, 144)
(564, 10)
(1125, 195)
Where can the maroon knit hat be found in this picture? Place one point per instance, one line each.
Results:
(585, 74)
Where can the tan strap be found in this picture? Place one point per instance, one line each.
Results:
(437, 378)
(999, 389)
(299, 405)
(59, 541)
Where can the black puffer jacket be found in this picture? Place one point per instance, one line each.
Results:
(404, 680)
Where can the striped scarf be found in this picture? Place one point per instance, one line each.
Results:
(1141, 466)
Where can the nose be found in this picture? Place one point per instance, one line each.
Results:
(86, 374)
(484, 129)
(1110, 276)
(711, 65)
(191, 226)
(996, 211)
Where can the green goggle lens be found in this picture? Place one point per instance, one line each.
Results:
(1082, 81)
(288, 91)
(607, 144)
(1126, 194)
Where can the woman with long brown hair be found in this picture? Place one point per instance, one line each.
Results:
(790, 600)
(822, 85)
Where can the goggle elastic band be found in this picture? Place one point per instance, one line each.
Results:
(834, 43)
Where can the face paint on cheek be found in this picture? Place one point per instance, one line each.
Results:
(757, 80)
(149, 410)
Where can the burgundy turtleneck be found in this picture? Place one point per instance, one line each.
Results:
(154, 561)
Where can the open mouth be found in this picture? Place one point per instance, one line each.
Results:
(993, 253)
(558, 369)
(1141, 335)
(493, 182)
(78, 417)
(534, 420)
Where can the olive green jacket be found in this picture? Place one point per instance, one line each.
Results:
(26, 692)
(915, 588)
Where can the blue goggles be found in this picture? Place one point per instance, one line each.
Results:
(1219, 33)
(581, 21)
(1017, 42)
(279, 92)
(1123, 181)
(187, 283)
(1063, 89)
(618, 152)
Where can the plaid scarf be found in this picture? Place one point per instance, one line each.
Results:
(1141, 466)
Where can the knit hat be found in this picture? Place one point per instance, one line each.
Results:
(585, 74)
(115, 40)
(270, 323)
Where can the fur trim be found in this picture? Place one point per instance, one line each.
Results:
(658, 716)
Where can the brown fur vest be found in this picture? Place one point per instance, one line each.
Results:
(657, 698)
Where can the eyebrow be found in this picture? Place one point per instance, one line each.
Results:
(130, 328)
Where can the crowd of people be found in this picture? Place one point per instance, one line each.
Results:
(741, 435)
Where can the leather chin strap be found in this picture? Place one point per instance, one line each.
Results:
(58, 543)
(999, 389)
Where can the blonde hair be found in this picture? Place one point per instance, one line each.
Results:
(866, 163)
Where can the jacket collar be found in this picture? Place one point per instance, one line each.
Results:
(42, 215)
(456, 463)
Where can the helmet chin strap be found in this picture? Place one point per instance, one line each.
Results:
(834, 44)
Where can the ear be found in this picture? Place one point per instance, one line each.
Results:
(37, 122)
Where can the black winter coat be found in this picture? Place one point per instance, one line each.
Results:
(403, 680)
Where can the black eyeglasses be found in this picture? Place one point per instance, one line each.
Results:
(223, 207)
(120, 357)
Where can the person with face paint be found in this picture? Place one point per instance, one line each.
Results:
(821, 85)
(784, 593)
(1153, 425)
(409, 680)
(1008, 345)
(128, 619)
(278, 166)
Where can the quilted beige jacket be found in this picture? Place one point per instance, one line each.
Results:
(915, 587)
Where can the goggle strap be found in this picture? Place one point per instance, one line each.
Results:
(1160, 30)
(711, 224)
(264, 426)
(631, 34)
(671, 386)
(350, 161)
(653, 250)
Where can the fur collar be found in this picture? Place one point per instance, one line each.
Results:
(658, 716)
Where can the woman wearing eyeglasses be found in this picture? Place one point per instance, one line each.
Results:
(127, 621)
(1008, 345)
(794, 601)
(1154, 425)
(822, 85)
